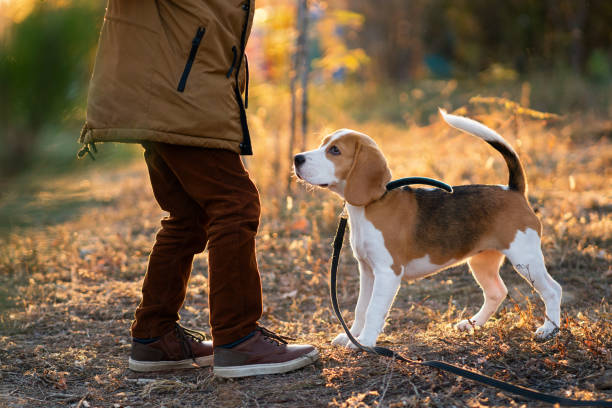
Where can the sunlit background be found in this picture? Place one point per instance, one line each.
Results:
(393, 62)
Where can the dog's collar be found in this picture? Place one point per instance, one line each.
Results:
(406, 181)
(418, 180)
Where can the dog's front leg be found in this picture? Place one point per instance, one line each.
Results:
(386, 284)
(366, 281)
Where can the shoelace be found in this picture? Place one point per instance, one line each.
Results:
(184, 335)
(273, 337)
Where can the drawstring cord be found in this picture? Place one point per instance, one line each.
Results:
(246, 87)
(89, 147)
(247, 79)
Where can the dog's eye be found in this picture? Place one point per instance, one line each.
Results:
(334, 150)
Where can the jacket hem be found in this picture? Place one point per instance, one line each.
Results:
(141, 135)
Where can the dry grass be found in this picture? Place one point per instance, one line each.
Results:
(69, 288)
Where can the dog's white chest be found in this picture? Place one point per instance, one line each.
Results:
(367, 242)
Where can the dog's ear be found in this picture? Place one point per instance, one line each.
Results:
(367, 177)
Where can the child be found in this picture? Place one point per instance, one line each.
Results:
(171, 75)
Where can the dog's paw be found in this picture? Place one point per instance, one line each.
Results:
(341, 340)
(546, 331)
(466, 325)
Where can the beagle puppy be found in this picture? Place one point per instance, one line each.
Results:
(416, 232)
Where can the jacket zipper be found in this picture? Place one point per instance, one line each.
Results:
(195, 44)
(245, 146)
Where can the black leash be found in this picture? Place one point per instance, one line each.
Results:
(441, 365)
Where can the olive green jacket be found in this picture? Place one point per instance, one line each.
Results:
(171, 71)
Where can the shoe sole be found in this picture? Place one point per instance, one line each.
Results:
(147, 366)
(271, 368)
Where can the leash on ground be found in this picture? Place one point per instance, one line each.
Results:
(441, 365)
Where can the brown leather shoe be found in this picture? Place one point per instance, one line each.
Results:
(180, 348)
(263, 353)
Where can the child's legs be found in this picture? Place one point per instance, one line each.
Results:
(217, 181)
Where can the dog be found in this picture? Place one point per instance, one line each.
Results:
(412, 233)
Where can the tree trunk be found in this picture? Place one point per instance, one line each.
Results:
(304, 74)
(298, 72)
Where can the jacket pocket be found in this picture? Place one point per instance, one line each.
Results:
(195, 44)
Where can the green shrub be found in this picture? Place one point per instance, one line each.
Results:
(44, 68)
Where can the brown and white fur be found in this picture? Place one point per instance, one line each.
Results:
(413, 233)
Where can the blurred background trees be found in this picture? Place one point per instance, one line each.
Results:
(465, 37)
(45, 59)
(394, 60)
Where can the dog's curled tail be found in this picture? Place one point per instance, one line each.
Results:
(517, 180)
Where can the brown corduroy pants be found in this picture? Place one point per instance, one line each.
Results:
(210, 199)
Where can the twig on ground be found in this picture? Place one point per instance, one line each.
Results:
(386, 379)
(141, 380)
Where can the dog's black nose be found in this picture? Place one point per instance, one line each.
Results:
(299, 159)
